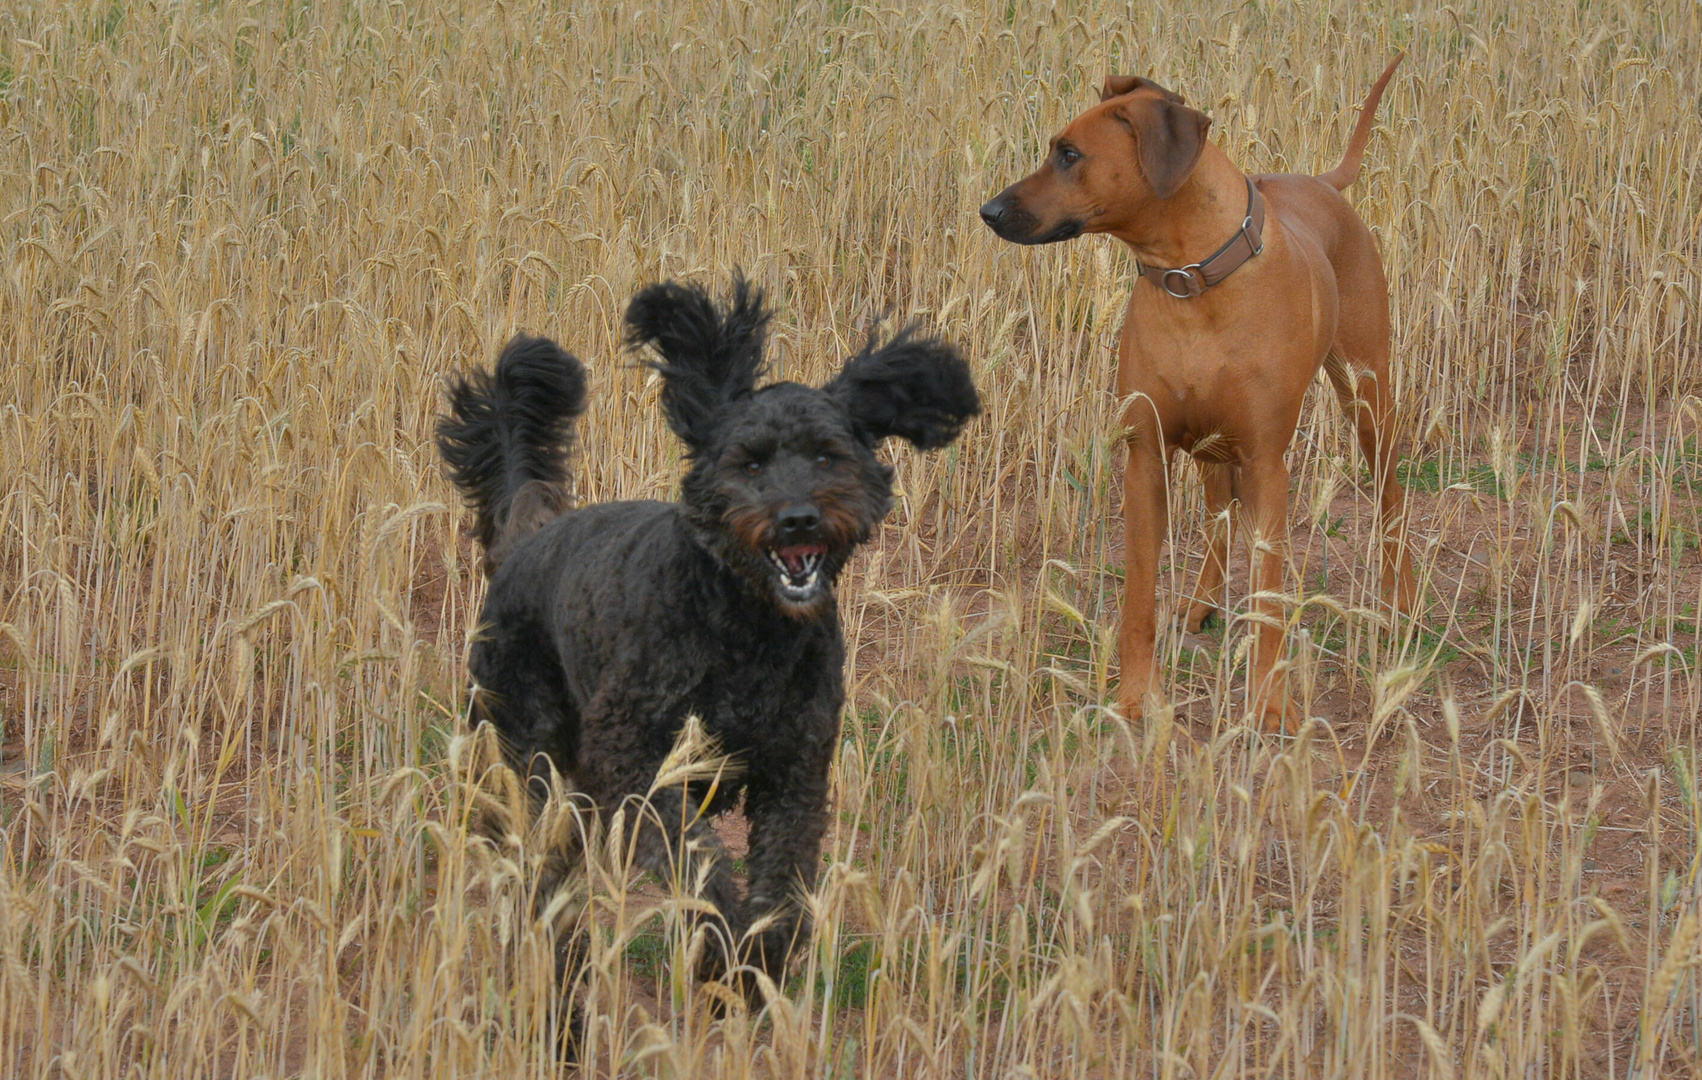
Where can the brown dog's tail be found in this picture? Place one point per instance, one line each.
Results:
(1348, 171)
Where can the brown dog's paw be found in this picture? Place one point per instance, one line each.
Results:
(1202, 617)
(1129, 705)
(1149, 705)
(1279, 714)
(1399, 585)
(1408, 601)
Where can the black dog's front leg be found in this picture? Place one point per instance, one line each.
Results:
(668, 837)
(669, 834)
(787, 821)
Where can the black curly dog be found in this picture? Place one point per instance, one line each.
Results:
(606, 627)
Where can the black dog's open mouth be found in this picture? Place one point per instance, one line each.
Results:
(800, 569)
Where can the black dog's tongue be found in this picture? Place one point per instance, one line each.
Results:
(794, 557)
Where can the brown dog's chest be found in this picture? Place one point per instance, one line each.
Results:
(1211, 405)
(1225, 373)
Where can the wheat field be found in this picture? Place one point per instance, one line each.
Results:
(245, 830)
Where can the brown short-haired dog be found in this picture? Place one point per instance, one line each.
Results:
(1248, 285)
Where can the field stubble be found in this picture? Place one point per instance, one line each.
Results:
(241, 246)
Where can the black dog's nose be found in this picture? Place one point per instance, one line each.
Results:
(992, 210)
(798, 519)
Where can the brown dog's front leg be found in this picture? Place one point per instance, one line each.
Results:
(1145, 522)
(1264, 491)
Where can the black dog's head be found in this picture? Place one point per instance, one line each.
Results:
(784, 481)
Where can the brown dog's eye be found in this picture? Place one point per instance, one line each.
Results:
(1068, 155)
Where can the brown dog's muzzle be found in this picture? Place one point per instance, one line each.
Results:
(1006, 215)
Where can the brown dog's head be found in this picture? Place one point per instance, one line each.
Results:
(1140, 143)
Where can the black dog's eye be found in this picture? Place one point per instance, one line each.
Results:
(821, 461)
(753, 467)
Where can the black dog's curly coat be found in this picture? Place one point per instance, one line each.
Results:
(606, 626)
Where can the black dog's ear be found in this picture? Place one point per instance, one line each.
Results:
(915, 386)
(711, 353)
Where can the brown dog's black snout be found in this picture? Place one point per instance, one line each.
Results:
(1006, 215)
(797, 522)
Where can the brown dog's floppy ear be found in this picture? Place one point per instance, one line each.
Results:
(1170, 137)
(1118, 85)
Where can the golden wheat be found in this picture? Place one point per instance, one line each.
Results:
(244, 832)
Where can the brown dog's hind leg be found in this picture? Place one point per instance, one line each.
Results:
(1362, 389)
(1207, 602)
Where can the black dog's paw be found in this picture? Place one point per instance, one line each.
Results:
(571, 952)
(570, 1034)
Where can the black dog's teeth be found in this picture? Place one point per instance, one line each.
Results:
(801, 581)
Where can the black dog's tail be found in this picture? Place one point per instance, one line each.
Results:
(507, 438)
